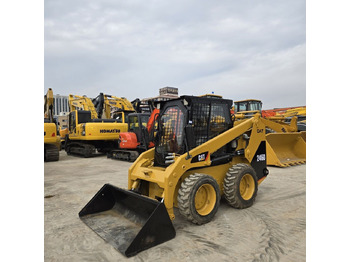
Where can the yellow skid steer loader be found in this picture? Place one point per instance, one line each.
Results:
(198, 158)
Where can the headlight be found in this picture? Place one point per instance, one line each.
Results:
(83, 132)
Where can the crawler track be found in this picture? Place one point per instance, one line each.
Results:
(125, 155)
(51, 153)
(83, 149)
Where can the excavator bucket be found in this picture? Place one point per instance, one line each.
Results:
(128, 221)
(303, 135)
(285, 149)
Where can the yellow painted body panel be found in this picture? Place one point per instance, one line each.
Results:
(50, 136)
(98, 131)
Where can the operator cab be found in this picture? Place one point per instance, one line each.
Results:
(248, 105)
(77, 117)
(188, 122)
(137, 123)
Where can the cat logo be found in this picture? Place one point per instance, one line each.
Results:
(200, 157)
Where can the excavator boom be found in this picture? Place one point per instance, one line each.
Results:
(52, 142)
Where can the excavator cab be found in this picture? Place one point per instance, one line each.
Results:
(137, 124)
(247, 108)
(77, 117)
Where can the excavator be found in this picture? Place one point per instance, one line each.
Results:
(86, 132)
(139, 138)
(285, 142)
(112, 107)
(199, 157)
(51, 139)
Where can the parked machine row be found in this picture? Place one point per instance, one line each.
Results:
(188, 153)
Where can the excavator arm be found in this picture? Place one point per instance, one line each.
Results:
(82, 103)
(114, 104)
(51, 140)
(48, 105)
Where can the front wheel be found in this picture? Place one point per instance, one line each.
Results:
(240, 186)
(198, 198)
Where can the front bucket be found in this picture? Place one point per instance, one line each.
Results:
(128, 221)
(285, 149)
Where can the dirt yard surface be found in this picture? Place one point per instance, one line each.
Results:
(273, 229)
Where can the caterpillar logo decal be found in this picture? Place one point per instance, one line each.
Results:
(261, 157)
(200, 157)
(110, 131)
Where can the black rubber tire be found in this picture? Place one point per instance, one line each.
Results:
(232, 182)
(186, 198)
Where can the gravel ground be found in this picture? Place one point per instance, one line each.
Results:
(273, 229)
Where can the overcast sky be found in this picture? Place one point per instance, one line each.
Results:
(238, 49)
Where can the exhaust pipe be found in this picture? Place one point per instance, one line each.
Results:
(128, 221)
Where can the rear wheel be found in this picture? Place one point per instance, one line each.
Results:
(240, 186)
(198, 198)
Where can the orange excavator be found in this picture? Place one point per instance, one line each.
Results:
(139, 138)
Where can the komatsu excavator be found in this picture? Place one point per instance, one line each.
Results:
(199, 157)
(86, 132)
(52, 142)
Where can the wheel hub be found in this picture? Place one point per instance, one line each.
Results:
(247, 187)
(205, 199)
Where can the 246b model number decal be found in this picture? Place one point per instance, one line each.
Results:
(261, 157)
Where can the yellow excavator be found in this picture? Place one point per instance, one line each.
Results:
(199, 157)
(285, 142)
(112, 107)
(52, 142)
(86, 132)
